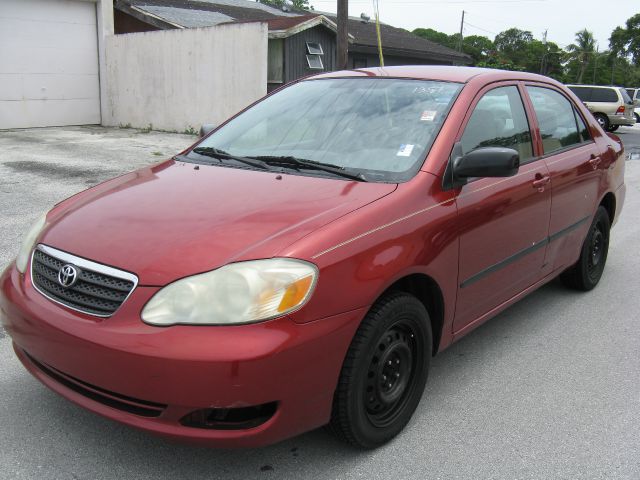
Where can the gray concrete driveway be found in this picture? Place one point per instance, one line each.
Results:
(549, 389)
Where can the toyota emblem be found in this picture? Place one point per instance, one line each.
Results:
(67, 276)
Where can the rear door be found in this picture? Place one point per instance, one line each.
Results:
(575, 166)
(504, 222)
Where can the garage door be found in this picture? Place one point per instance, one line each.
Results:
(48, 63)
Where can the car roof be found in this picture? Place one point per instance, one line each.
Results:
(437, 72)
(593, 86)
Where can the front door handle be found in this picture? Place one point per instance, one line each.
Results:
(540, 182)
(595, 161)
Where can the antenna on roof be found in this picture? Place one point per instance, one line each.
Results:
(376, 7)
(364, 18)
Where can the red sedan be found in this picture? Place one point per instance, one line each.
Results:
(301, 264)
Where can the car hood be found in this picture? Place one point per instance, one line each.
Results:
(178, 219)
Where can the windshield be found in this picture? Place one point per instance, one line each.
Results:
(381, 128)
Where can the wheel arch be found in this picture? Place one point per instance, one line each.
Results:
(609, 204)
(596, 114)
(427, 290)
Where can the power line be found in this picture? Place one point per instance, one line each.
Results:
(479, 28)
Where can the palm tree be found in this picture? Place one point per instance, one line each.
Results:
(581, 50)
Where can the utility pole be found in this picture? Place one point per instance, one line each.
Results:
(595, 66)
(461, 29)
(613, 67)
(342, 53)
(543, 62)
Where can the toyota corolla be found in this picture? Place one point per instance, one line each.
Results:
(300, 265)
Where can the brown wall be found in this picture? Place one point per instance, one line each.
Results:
(123, 23)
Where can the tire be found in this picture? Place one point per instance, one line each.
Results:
(613, 128)
(394, 343)
(603, 121)
(587, 271)
(637, 117)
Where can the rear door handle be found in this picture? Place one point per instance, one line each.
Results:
(540, 182)
(595, 161)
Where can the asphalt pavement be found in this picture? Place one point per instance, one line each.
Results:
(549, 389)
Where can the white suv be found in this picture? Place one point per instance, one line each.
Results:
(634, 93)
(611, 106)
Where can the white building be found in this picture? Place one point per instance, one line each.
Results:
(51, 61)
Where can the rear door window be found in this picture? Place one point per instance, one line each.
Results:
(583, 93)
(556, 119)
(499, 120)
(607, 95)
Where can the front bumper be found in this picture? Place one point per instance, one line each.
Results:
(180, 369)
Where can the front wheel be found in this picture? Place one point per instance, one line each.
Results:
(637, 117)
(384, 373)
(613, 128)
(586, 273)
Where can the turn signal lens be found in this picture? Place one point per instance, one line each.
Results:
(295, 294)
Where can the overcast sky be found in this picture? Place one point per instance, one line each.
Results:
(562, 18)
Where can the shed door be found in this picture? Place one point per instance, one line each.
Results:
(48, 63)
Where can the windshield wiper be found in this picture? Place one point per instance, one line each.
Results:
(310, 164)
(221, 154)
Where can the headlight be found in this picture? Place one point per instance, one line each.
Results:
(241, 292)
(22, 260)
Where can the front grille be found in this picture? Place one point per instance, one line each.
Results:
(143, 408)
(98, 290)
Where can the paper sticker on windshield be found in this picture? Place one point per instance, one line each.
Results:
(405, 150)
(428, 116)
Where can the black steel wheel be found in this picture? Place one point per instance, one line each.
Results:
(390, 374)
(587, 271)
(613, 128)
(637, 117)
(384, 373)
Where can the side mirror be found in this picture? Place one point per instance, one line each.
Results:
(206, 129)
(486, 162)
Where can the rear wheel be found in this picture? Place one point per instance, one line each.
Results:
(384, 374)
(637, 117)
(603, 121)
(587, 271)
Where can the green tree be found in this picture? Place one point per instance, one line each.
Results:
(582, 52)
(625, 42)
(477, 47)
(437, 37)
(512, 43)
(295, 4)
(496, 61)
(545, 58)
